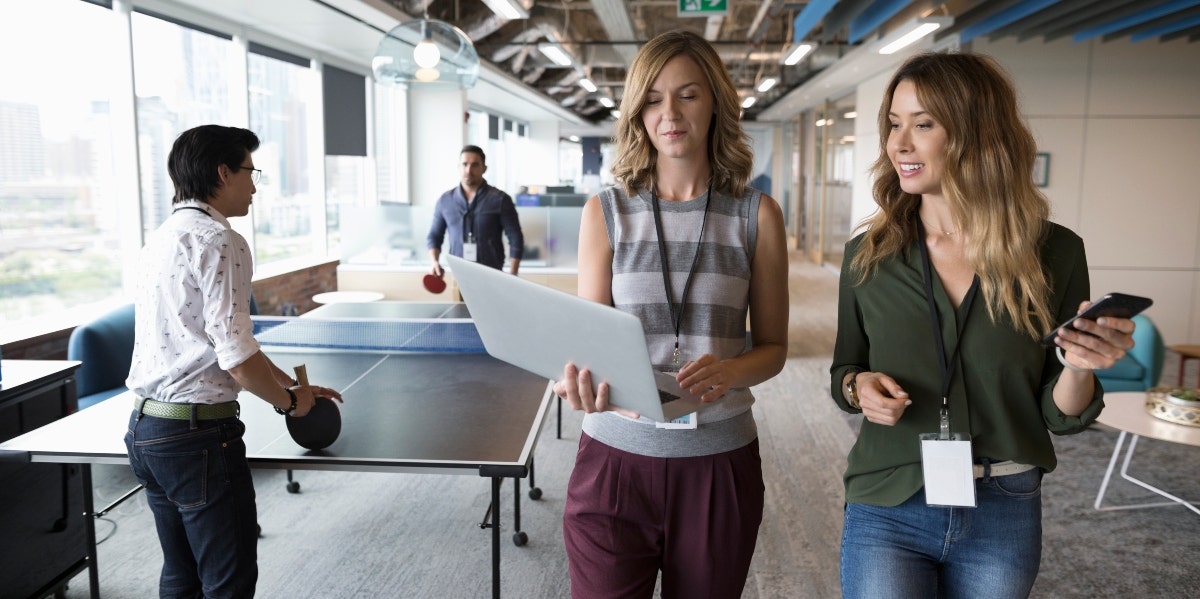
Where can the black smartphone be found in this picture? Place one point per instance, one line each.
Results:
(1120, 305)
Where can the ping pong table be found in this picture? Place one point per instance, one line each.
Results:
(421, 396)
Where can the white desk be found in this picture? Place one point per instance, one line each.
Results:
(1127, 413)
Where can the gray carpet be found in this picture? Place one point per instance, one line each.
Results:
(377, 535)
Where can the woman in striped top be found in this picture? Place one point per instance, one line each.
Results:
(685, 245)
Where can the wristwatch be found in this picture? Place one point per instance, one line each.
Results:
(851, 391)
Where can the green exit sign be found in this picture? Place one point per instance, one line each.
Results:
(703, 8)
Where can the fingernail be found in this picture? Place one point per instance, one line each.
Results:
(908, 403)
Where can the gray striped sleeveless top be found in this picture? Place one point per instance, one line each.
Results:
(714, 320)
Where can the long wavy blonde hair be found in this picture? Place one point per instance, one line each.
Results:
(987, 181)
(729, 155)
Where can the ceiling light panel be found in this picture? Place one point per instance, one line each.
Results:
(509, 9)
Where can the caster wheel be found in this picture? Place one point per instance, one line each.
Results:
(535, 493)
(293, 487)
(520, 538)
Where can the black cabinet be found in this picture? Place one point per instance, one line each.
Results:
(41, 505)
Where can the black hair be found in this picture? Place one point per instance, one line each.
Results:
(474, 150)
(198, 152)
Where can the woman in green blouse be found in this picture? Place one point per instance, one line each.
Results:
(944, 299)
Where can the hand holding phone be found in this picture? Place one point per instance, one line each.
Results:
(1118, 305)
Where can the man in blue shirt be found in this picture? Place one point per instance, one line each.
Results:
(475, 213)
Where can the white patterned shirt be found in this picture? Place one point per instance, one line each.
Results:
(192, 307)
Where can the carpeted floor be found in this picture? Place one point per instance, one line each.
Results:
(374, 535)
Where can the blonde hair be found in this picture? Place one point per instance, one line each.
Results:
(729, 155)
(986, 180)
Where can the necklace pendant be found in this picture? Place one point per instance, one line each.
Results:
(675, 357)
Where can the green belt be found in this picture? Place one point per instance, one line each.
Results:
(183, 411)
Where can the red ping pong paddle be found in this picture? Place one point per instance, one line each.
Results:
(321, 426)
(434, 283)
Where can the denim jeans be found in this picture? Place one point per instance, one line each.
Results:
(920, 551)
(200, 489)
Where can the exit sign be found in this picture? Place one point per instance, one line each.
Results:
(703, 8)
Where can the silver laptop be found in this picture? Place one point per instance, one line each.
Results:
(540, 329)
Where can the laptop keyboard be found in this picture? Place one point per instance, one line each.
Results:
(666, 397)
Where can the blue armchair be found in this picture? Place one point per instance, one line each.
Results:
(105, 346)
(1141, 368)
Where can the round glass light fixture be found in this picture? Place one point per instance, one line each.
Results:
(426, 54)
(426, 51)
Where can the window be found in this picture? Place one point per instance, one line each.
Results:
(281, 110)
(391, 143)
(182, 82)
(60, 235)
(347, 168)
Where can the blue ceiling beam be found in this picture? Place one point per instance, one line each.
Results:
(1165, 29)
(875, 15)
(809, 17)
(1136, 19)
(996, 21)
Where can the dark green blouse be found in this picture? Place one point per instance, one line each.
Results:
(1001, 392)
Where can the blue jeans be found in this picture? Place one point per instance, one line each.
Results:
(918, 551)
(200, 489)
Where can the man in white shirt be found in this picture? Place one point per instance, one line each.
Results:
(194, 352)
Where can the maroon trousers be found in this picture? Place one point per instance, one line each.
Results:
(628, 516)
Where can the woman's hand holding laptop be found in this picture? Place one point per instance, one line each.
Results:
(575, 386)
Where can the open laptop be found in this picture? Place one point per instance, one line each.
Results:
(540, 329)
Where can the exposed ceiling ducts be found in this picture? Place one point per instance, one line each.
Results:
(601, 37)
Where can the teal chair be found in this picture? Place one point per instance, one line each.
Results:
(1141, 368)
(105, 346)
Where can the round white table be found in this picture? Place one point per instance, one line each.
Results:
(340, 297)
(1127, 413)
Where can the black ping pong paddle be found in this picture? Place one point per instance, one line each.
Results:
(321, 426)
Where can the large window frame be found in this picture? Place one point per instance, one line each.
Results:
(137, 169)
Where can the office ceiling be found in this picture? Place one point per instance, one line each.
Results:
(602, 36)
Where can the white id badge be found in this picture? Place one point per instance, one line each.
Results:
(687, 421)
(469, 252)
(948, 468)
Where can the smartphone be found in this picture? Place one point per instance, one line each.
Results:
(1120, 305)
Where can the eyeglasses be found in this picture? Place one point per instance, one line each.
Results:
(255, 173)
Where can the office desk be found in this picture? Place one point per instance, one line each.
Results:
(41, 505)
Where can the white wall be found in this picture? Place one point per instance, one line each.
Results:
(541, 166)
(1121, 122)
(436, 135)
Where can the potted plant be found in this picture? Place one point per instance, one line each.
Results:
(1184, 397)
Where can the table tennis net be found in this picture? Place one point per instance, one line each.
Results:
(457, 335)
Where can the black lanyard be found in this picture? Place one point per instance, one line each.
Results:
(677, 315)
(468, 218)
(196, 208)
(946, 366)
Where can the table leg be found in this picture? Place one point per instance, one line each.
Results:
(89, 525)
(496, 537)
(1125, 474)
(519, 536)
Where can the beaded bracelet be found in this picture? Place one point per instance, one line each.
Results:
(291, 408)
